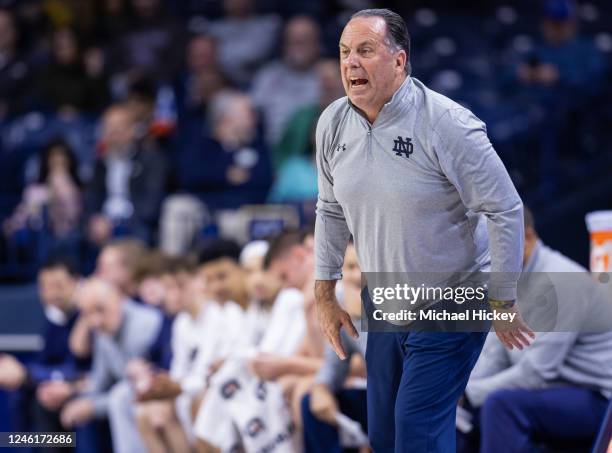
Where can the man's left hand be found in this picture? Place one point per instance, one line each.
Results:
(513, 334)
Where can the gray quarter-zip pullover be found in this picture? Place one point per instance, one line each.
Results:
(421, 190)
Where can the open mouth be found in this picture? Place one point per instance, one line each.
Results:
(356, 82)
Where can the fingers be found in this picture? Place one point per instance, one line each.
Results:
(348, 324)
(516, 338)
(334, 338)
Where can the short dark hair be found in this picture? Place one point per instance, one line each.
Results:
(397, 30)
(187, 263)
(281, 244)
(150, 264)
(60, 262)
(218, 249)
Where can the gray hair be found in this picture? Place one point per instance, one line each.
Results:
(221, 103)
(398, 37)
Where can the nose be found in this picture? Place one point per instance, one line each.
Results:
(353, 60)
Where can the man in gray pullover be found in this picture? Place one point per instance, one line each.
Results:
(413, 177)
(122, 330)
(558, 389)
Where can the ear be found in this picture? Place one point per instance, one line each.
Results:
(401, 59)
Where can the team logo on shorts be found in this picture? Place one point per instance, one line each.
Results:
(230, 388)
(403, 146)
(255, 426)
(339, 148)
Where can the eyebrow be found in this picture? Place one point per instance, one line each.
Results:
(367, 42)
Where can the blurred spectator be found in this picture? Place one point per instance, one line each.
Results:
(275, 316)
(331, 393)
(245, 39)
(201, 81)
(140, 100)
(53, 374)
(238, 393)
(111, 19)
(178, 273)
(122, 330)
(299, 134)
(118, 263)
(290, 259)
(205, 333)
(15, 70)
(293, 158)
(225, 171)
(564, 64)
(164, 410)
(260, 292)
(54, 201)
(149, 44)
(70, 83)
(282, 87)
(129, 181)
(559, 387)
(154, 111)
(148, 274)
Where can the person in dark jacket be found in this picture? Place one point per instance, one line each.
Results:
(129, 181)
(234, 162)
(70, 82)
(45, 383)
(224, 170)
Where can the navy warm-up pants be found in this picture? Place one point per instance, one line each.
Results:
(522, 420)
(414, 382)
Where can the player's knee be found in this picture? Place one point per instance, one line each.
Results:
(500, 403)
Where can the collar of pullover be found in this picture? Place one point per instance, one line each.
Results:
(399, 102)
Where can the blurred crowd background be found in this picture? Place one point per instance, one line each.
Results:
(162, 119)
(175, 132)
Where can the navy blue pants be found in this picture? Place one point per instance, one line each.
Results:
(323, 437)
(519, 420)
(414, 382)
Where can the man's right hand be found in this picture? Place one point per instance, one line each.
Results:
(331, 317)
(323, 404)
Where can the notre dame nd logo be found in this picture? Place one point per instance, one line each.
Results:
(403, 146)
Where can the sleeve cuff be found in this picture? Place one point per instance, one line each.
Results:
(325, 273)
(502, 292)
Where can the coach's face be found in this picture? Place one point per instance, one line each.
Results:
(371, 70)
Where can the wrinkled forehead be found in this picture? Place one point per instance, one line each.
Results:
(364, 30)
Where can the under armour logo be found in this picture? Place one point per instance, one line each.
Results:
(403, 146)
(340, 148)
